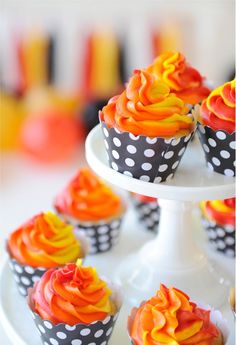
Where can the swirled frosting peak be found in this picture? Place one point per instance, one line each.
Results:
(87, 198)
(220, 211)
(170, 318)
(218, 110)
(147, 107)
(72, 294)
(44, 241)
(184, 80)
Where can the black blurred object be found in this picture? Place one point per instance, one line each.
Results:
(90, 115)
(51, 59)
(122, 64)
(231, 75)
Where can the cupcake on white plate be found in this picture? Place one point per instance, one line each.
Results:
(92, 206)
(171, 318)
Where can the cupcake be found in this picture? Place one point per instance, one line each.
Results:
(43, 242)
(219, 222)
(216, 129)
(148, 211)
(171, 318)
(93, 207)
(146, 129)
(73, 305)
(183, 80)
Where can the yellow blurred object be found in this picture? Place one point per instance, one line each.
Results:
(12, 115)
(34, 56)
(168, 37)
(232, 298)
(104, 77)
(49, 97)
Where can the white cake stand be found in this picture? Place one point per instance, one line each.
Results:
(173, 257)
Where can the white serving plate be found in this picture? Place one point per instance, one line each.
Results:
(16, 319)
(192, 180)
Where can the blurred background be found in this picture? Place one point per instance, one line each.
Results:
(60, 61)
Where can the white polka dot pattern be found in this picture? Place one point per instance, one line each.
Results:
(142, 157)
(97, 333)
(101, 235)
(219, 148)
(148, 214)
(24, 276)
(220, 238)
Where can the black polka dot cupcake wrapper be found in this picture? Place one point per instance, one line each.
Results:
(221, 238)
(25, 276)
(219, 148)
(102, 236)
(97, 333)
(148, 214)
(144, 158)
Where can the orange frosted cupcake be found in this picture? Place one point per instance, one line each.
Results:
(219, 222)
(148, 211)
(216, 129)
(171, 318)
(43, 242)
(92, 206)
(183, 80)
(146, 129)
(73, 305)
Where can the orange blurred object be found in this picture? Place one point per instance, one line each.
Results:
(101, 65)
(51, 136)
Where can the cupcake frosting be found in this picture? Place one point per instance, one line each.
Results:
(147, 107)
(218, 110)
(170, 318)
(72, 294)
(220, 211)
(185, 81)
(144, 198)
(44, 241)
(87, 198)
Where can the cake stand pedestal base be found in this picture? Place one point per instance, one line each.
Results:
(174, 259)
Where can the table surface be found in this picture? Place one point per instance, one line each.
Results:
(27, 189)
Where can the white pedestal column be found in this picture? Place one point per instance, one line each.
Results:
(173, 258)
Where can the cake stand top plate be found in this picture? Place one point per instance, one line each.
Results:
(192, 181)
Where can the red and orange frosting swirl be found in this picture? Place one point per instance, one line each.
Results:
(144, 198)
(220, 211)
(72, 294)
(147, 107)
(218, 110)
(44, 241)
(87, 198)
(170, 318)
(185, 81)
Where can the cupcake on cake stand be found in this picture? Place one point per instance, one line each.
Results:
(173, 257)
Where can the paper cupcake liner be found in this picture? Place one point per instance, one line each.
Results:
(103, 235)
(148, 214)
(221, 238)
(25, 275)
(96, 333)
(219, 148)
(215, 316)
(144, 158)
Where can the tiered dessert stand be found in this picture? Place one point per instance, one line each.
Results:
(173, 257)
